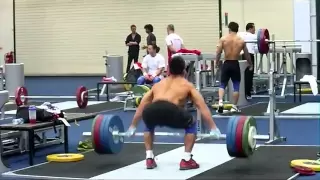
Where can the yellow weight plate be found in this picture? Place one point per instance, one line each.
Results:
(68, 157)
(225, 106)
(312, 164)
(127, 87)
(305, 90)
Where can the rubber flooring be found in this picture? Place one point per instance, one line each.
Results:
(266, 163)
(262, 165)
(260, 108)
(95, 164)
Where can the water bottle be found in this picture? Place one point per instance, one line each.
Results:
(32, 114)
(17, 121)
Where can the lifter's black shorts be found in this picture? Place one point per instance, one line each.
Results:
(164, 113)
(230, 70)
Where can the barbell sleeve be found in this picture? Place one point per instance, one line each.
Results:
(52, 97)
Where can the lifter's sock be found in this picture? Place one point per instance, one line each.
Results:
(149, 154)
(220, 102)
(186, 156)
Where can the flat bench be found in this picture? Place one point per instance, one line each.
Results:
(107, 87)
(31, 128)
(299, 83)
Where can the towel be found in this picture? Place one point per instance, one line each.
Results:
(313, 83)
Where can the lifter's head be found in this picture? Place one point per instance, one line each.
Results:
(170, 28)
(233, 27)
(177, 66)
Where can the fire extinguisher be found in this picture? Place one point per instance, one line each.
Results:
(8, 57)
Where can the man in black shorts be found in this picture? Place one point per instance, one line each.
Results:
(164, 104)
(232, 45)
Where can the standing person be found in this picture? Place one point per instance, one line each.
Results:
(173, 41)
(151, 38)
(132, 41)
(232, 45)
(249, 35)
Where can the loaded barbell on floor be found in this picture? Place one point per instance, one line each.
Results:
(21, 96)
(108, 135)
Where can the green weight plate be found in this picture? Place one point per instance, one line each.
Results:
(140, 90)
(246, 143)
(138, 101)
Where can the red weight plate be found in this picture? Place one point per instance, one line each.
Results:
(96, 133)
(82, 100)
(20, 94)
(239, 129)
(304, 170)
(263, 44)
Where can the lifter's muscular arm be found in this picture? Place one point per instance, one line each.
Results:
(219, 50)
(147, 99)
(198, 100)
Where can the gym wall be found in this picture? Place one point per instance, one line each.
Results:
(70, 37)
(6, 27)
(275, 15)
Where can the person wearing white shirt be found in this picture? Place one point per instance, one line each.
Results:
(249, 35)
(173, 41)
(153, 66)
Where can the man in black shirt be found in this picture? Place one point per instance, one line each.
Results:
(133, 40)
(151, 38)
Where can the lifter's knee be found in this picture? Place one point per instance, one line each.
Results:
(236, 86)
(192, 129)
(149, 129)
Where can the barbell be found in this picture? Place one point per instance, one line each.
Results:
(263, 41)
(21, 96)
(108, 135)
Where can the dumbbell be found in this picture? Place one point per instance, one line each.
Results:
(108, 135)
(21, 96)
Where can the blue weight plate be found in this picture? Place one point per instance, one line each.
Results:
(229, 135)
(109, 144)
(233, 136)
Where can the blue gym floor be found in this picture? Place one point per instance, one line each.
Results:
(298, 132)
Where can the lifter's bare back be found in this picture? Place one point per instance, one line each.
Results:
(173, 89)
(232, 45)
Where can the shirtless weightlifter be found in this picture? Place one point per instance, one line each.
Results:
(164, 104)
(232, 45)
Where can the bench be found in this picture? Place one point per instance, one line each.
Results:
(31, 128)
(106, 87)
(299, 84)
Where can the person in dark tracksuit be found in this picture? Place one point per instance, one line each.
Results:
(151, 38)
(249, 35)
(133, 40)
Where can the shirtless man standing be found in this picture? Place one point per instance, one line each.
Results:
(164, 104)
(232, 45)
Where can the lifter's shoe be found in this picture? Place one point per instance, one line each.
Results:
(187, 165)
(151, 163)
